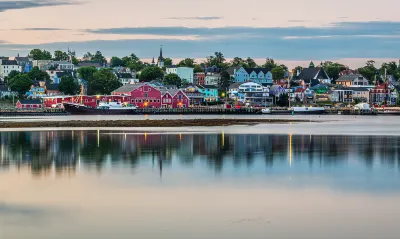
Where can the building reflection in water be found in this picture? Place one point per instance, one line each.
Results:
(63, 152)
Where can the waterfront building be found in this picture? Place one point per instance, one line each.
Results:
(6, 66)
(29, 104)
(38, 89)
(256, 75)
(254, 94)
(342, 94)
(233, 90)
(361, 93)
(195, 96)
(382, 94)
(174, 99)
(210, 93)
(185, 73)
(53, 90)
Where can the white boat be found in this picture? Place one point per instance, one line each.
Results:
(308, 110)
(114, 106)
(266, 111)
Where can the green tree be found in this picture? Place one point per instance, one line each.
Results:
(75, 61)
(103, 82)
(68, 85)
(250, 63)
(188, 62)
(168, 61)
(197, 68)
(37, 54)
(86, 73)
(60, 56)
(238, 62)
(269, 64)
(391, 69)
(11, 75)
(98, 57)
(37, 74)
(278, 73)
(369, 71)
(116, 61)
(225, 81)
(87, 56)
(172, 79)
(217, 60)
(20, 83)
(333, 69)
(151, 73)
(283, 100)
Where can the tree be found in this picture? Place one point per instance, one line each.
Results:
(197, 68)
(37, 54)
(86, 73)
(188, 62)
(116, 61)
(225, 81)
(269, 64)
(20, 83)
(87, 57)
(98, 57)
(68, 85)
(283, 100)
(75, 61)
(391, 69)
(11, 75)
(168, 61)
(250, 63)
(60, 56)
(172, 79)
(151, 73)
(237, 62)
(37, 74)
(333, 69)
(369, 71)
(278, 73)
(103, 82)
(217, 60)
(185, 83)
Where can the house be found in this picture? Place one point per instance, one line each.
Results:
(43, 65)
(352, 80)
(6, 92)
(298, 94)
(174, 99)
(38, 89)
(312, 76)
(212, 69)
(210, 93)
(194, 95)
(53, 90)
(200, 78)
(185, 73)
(126, 78)
(348, 72)
(254, 94)
(25, 63)
(55, 76)
(276, 90)
(342, 94)
(63, 65)
(360, 93)
(233, 90)
(381, 94)
(29, 104)
(256, 75)
(143, 95)
(6, 66)
(232, 71)
(212, 79)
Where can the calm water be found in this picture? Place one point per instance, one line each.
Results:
(104, 184)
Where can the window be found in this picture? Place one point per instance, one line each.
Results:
(146, 95)
(151, 101)
(133, 101)
(158, 101)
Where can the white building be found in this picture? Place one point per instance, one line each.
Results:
(213, 79)
(64, 65)
(6, 66)
(185, 73)
(43, 65)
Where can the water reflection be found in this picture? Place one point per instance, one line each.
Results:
(65, 151)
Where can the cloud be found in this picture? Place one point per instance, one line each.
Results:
(12, 5)
(41, 29)
(334, 29)
(195, 18)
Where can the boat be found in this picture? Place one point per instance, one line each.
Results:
(104, 108)
(308, 110)
(266, 111)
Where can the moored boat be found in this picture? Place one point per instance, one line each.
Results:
(107, 108)
(308, 110)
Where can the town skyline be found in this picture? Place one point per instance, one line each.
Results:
(306, 31)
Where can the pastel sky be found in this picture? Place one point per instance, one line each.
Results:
(288, 30)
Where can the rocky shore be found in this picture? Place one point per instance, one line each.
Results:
(144, 123)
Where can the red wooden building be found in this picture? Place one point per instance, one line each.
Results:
(29, 104)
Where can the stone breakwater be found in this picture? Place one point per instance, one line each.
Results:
(144, 123)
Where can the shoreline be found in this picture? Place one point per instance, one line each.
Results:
(146, 123)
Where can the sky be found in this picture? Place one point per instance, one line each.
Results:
(292, 31)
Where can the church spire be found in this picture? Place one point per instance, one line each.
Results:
(160, 62)
(153, 62)
(161, 57)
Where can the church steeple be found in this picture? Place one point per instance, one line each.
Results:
(153, 62)
(160, 61)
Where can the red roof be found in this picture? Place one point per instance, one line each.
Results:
(298, 90)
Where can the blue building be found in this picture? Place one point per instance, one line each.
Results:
(256, 75)
(210, 92)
